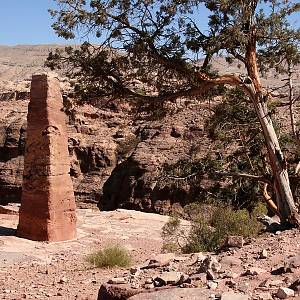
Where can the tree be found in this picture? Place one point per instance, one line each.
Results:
(150, 49)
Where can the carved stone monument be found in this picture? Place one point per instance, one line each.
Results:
(47, 211)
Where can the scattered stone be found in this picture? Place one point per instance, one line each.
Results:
(148, 286)
(284, 293)
(244, 287)
(62, 280)
(295, 285)
(271, 283)
(210, 263)
(185, 279)
(148, 280)
(231, 283)
(180, 258)
(212, 285)
(197, 258)
(233, 296)
(211, 275)
(176, 132)
(235, 241)
(254, 271)
(265, 296)
(199, 277)
(135, 271)
(293, 263)
(117, 280)
(278, 270)
(172, 278)
(160, 260)
(231, 275)
(275, 283)
(263, 254)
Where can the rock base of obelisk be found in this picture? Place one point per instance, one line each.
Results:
(47, 211)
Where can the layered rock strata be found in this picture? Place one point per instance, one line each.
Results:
(47, 210)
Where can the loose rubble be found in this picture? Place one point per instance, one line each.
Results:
(244, 274)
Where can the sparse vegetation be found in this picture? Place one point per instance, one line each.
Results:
(210, 228)
(111, 256)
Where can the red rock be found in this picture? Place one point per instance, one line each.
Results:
(47, 210)
(235, 241)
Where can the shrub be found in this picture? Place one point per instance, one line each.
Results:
(111, 256)
(209, 231)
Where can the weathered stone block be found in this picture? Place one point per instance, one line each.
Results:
(47, 210)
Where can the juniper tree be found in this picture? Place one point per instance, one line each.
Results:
(150, 50)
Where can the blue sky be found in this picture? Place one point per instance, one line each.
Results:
(28, 22)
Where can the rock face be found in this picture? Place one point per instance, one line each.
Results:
(47, 210)
(139, 182)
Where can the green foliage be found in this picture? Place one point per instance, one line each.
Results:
(112, 256)
(237, 147)
(172, 234)
(209, 231)
(158, 43)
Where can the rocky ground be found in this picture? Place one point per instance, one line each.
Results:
(267, 267)
(38, 270)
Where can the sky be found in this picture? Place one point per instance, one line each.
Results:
(28, 22)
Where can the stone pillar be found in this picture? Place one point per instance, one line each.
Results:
(47, 211)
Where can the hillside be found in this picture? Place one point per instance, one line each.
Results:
(19, 62)
(115, 161)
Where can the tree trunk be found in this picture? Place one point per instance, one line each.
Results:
(284, 198)
(291, 104)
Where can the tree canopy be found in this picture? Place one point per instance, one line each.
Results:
(151, 50)
(155, 46)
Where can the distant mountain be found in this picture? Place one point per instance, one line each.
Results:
(18, 63)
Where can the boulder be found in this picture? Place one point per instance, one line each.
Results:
(210, 263)
(116, 292)
(284, 293)
(172, 278)
(175, 294)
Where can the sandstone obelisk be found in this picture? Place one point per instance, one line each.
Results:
(47, 211)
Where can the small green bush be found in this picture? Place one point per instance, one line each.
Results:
(112, 256)
(209, 231)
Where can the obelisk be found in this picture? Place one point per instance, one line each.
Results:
(47, 211)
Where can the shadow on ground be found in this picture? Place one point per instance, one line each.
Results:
(5, 231)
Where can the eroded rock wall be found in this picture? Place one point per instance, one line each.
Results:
(93, 138)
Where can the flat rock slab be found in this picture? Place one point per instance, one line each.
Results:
(93, 226)
(175, 294)
(234, 296)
